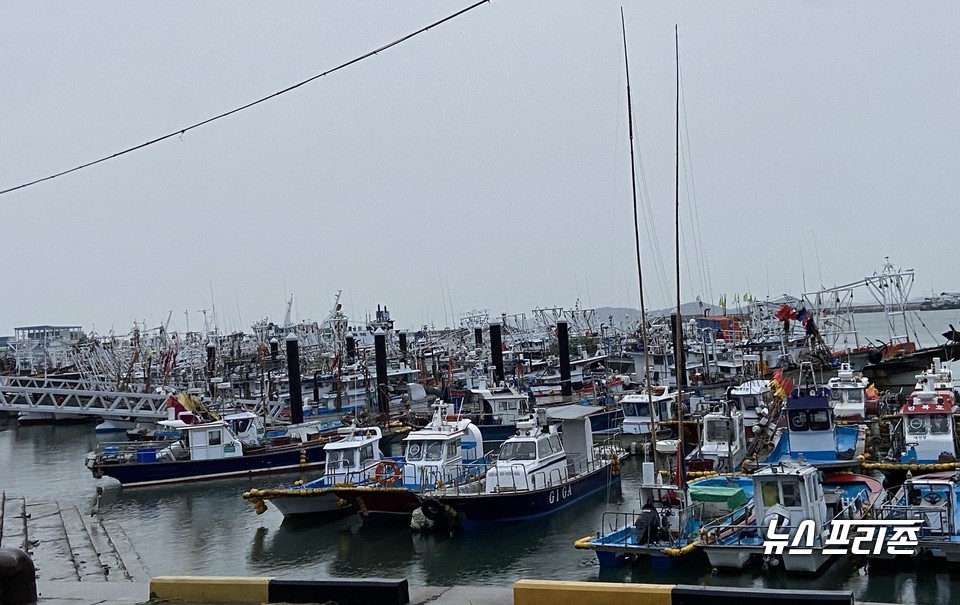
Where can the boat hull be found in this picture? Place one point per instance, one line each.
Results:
(286, 460)
(476, 511)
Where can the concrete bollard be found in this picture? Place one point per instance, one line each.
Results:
(18, 578)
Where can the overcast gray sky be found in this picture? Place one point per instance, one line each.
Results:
(483, 164)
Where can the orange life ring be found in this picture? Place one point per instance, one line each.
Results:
(387, 473)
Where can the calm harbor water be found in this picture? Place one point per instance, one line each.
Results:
(209, 529)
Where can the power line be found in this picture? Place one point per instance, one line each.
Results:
(252, 103)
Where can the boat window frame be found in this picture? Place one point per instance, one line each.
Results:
(414, 450)
(798, 427)
(214, 437)
(916, 428)
(819, 420)
(935, 426)
(433, 450)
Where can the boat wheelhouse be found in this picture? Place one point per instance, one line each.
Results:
(637, 407)
(851, 396)
(812, 434)
(723, 442)
(792, 506)
(928, 423)
(351, 460)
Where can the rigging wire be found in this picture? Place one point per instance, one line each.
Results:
(706, 281)
(250, 104)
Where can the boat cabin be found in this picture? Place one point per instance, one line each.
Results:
(204, 441)
(435, 453)
(932, 498)
(535, 458)
(723, 441)
(351, 458)
(636, 409)
(788, 491)
(496, 407)
(810, 425)
(928, 424)
(848, 394)
(753, 398)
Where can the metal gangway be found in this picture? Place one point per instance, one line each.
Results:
(77, 397)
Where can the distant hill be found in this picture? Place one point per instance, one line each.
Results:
(689, 309)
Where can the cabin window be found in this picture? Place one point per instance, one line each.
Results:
(213, 438)
(366, 453)
(434, 451)
(543, 448)
(347, 458)
(819, 420)
(240, 426)
(836, 395)
(555, 446)
(798, 420)
(770, 493)
(717, 430)
(855, 396)
(414, 450)
(791, 495)
(453, 449)
(917, 425)
(939, 425)
(518, 450)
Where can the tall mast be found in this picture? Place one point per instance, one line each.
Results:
(678, 337)
(636, 235)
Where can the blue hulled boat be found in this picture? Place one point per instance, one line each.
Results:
(535, 474)
(812, 434)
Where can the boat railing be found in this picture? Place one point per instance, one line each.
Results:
(936, 519)
(620, 529)
(130, 447)
(420, 478)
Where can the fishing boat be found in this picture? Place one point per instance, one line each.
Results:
(793, 504)
(441, 453)
(231, 446)
(754, 399)
(812, 433)
(723, 442)
(645, 407)
(924, 429)
(355, 459)
(536, 473)
(932, 498)
(851, 396)
(670, 519)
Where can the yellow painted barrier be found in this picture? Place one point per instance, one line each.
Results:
(546, 592)
(222, 589)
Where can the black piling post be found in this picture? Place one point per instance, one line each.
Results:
(403, 345)
(496, 352)
(351, 348)
(680, 357)
(274, 348)
(211, 359)
(18, 578)
(293, 376)
(478, 337)
(563, 342)
(380, 353)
